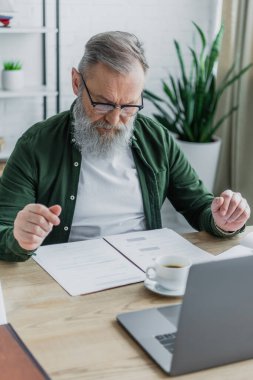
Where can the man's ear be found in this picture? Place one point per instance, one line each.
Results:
(75, 80)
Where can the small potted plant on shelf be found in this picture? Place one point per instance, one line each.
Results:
(12, 76)
(190, 101)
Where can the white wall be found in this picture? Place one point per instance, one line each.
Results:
(155, 22)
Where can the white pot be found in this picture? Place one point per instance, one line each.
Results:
(203, 157)
(12, 79)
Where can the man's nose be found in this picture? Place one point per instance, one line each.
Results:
(113, 117)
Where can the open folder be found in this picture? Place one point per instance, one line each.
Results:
(16, 361)
(93, 265)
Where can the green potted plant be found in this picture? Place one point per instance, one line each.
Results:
(12, 76)
(190, 102)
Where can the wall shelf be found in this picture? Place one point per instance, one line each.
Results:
(27, 30)
(28, 91)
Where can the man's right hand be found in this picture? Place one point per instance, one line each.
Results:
(34, 223)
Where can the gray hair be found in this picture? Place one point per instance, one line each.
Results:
(118, 50)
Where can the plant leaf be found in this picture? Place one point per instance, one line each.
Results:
(221, 120)
(233, 79)
(181, 62)
(168, 92)
(202, 36)
(151, 96)
(215, 50)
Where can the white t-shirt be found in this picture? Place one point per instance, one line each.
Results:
(109, 199)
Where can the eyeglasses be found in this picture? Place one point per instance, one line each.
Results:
(127, 110)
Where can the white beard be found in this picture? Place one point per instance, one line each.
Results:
(88, 139)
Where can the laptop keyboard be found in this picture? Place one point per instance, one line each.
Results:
(167, 340)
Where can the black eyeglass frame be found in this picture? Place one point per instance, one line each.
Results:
(94, 104)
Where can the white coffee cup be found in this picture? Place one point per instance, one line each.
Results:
(171, 272)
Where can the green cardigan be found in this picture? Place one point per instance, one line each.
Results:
(45, 165)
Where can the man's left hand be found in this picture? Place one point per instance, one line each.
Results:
(230, 211)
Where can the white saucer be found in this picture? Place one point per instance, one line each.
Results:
(156, 288)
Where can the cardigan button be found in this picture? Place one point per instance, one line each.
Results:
(66, 228)
(72, 197)
(76, 163)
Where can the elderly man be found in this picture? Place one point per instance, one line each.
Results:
(102, 168)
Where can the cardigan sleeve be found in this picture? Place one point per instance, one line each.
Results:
(17, 189)
(189, 196)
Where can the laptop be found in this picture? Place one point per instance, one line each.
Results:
(213, 325)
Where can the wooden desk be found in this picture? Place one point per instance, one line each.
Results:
(78, 337)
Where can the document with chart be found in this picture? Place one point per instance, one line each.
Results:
(93, 265)
(142, 247)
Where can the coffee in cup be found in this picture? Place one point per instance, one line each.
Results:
(171, 272)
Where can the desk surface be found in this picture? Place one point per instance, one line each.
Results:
(78, 337)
